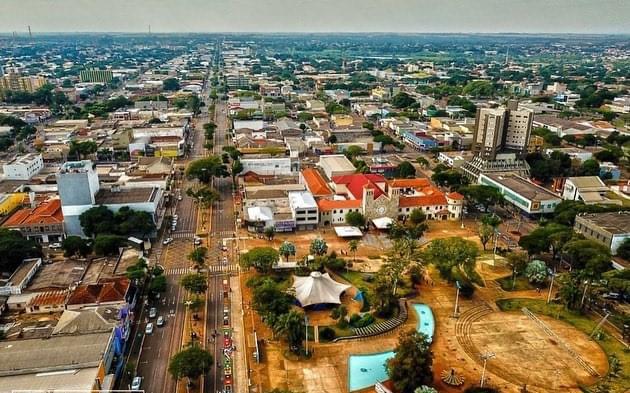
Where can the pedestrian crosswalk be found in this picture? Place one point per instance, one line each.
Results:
(182, 235)
(224, 233)
(180, 271)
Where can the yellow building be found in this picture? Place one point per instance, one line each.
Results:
(535, 143)
(16, 82)
(341, 121)
(10, 202)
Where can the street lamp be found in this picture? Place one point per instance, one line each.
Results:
(485, 357)
(455, 311)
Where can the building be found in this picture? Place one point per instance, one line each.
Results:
(23, 167)
(11, 201)
(574, 152)
(96, 76)
(589, 189)
(104, 293)
(80, 190)
(47, 302)
(620, 105)
(44, 223)
(273, 166)
(14, 81)
(531, 198)
(315, 183)
(609, 229)
(500, 130)
(269, 206)
(304, 210)
(455, 159)
(336, 165)
(20, 277)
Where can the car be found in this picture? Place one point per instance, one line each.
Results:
(54, 246)
(179, 198)
(175, 217)
(197, 241)
(168, 240)
(149, 328)
(224, 248)
(226, 321)
(160, 321)
(152, 312)
(135, 383)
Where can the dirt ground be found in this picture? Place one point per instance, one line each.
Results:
(525, 354)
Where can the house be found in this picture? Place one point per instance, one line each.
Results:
(114, 291)
(303, 209)
(315, 106)
(574, 152)
(609, 229)
(341, 121)
(23, 167)
(419, 141)
(20, 278)
(44, 223)
(455, 159)
(608, 170)
(263, 165)
(522, 193)
(589, 189)
(47, 302)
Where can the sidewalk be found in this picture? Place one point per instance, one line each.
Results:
(238, 337)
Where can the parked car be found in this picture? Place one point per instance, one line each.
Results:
(149, 328)
(160, 321)
(152, 312)
(135, 383)
(197, 241)
(167, 241)
(54, 246)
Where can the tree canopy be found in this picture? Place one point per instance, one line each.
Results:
(260, 258)
(191, 362)
(14, 248)
(75, 245)
(194, 282)
(206, 168)
(450, 253)
(412, 363)
(125, 222)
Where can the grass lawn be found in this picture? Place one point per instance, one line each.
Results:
(357, 279)
(522, 284)
(610, 345)
(612, 195)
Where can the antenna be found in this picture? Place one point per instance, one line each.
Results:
(30, 34)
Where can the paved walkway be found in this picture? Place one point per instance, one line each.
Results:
(238, 336)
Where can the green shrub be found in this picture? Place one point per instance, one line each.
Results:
(357, 321)
(327, 334)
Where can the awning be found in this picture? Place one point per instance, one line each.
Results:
(382, 223)
(346, 231)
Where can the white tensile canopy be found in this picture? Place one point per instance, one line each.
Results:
(318, 288)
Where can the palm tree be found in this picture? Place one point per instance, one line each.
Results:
(291, 326)
(287, 249)
(270, 232)
(353, 246)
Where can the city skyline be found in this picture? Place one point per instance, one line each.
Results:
(397, 16)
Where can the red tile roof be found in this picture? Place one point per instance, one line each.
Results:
(328, 204)
(48, 212)
(410, 183)
(49, 298)
(357, 182)
(315, 182)
(104, 292)
(437, 199)
(455, 195)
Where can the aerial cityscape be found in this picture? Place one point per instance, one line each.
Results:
(365, 206)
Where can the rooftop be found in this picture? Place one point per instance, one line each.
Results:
(588, 182)
(616, 223)
(357, 182)
(302, 200)
(522, 186)
(123, 196)
(48, 212)
(22, 271)
(337, 161)
(107, 291)
(58, 275)
(315, 182)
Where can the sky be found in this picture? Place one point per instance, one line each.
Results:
(406, 16)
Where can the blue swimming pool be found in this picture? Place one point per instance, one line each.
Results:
(365, 370)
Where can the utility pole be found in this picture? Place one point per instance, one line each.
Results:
(306, 333)
(553, 276)
(485, 357)
(455, 311)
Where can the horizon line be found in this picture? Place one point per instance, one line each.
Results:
(315, 32)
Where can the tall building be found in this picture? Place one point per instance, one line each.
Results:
(77, 182)
(501, 130)
(96, 76)
(16, 82)
(500, 141)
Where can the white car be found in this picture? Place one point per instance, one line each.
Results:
(135, 383)
(179, 198)
(54, 246)
(149, 328)
(168, 240)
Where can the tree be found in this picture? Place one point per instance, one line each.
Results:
(449, 178)
(270, 232)
(125, 222)
(536, 272)
(205, 195)
(108, 244)
(422, 162)
(589, 256)
(425, 389)
(198, 256)
(82, 149)
(268, 299)
(402, 100)
(291, 327)
(353, 151)
(355, 219)
(138, 270)
(491, 220)
(236, 168)
(623, 250)
(589, 168)
(405, 170)
(412, 363)
(483, 195)
(517, 261)
(158, 284)
(287, 249)
(479, 88)
(485, 234)
(417, 217)
(170, 84)
(191, 362)
(75, 245)
(450, 253)
(260, 258)
(14, 248)
(353, 246)
(318, 247)
(206, 168)
(194, 283)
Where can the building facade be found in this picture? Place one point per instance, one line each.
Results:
(609, 229)
(23, 167)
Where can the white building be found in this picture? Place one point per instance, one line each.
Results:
(23, 167)
(336, 165)
(20, 277)
(589, 189)
(304, 210)
(527, 196)
(271, 166)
